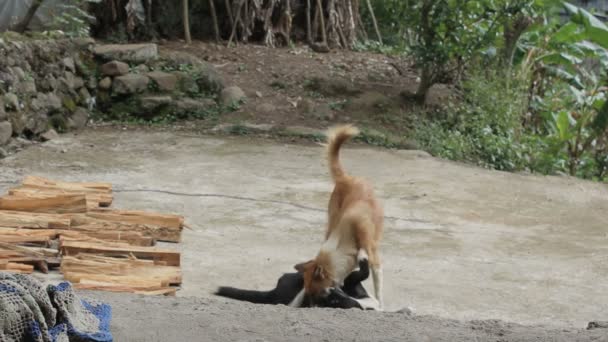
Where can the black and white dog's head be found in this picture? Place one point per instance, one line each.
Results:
(350, 295)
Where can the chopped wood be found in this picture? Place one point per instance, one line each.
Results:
(101, 286)
(129, 274)
(94, 199)
(39, 182)
(50, 233)
(138, 269)
(19, 219)
(131, 238)
(13, 267)
(55, 204)
(85, 222)
(73, 248)
(99, 248)
(135, 216)
(17, 239)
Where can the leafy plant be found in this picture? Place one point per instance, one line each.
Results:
(73, 19)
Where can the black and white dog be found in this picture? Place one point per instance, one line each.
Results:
(351, 295)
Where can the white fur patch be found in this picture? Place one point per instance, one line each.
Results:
(298, 300)
(369, 303)
(362, 255)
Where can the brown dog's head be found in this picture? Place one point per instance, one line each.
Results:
(318, 276)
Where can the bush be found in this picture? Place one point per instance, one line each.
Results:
(484, 127)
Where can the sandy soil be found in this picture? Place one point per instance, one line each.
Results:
(461, 243)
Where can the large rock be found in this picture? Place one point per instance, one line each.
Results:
(69, 64)
(11, 102)
(177, 59)
(163, 80)
(115, 68)
(3, 115)
(130, 84)
(105, 83)
(232, 95)
(48, 83)
(332, 86)
(209, 79)
(130, 53)
(79, 119)
(27, 87)
(46, 102)
(6, 131)
(187, 83)
(206, 75)
(188, 105)
(18, 121)
(149, 103)
(51, 134)
(37, 123)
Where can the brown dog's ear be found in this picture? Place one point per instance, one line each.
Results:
(302, 266)
(318, 274)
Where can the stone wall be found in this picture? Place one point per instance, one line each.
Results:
(50, 86)
(44, 85)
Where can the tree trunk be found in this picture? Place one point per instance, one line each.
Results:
(426, 82)
(370, 8)
(186, 20)
(25, 22)
(216, 28)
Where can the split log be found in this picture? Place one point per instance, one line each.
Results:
(23, 255)
(132, 267)
(13, 267)
(39, 182)
(19, 239)
(103, 286)
(51, 234)
(85, 223)
(131, 238)
(94, 199)
(140, 217)
(169, 258)
(19, 219)
(55, 204)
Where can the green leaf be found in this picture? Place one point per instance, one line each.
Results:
(596, 30)
(562, 123)
(600, 123)
(569, 33)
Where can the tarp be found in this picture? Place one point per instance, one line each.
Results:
(12, 11)
(32, 312)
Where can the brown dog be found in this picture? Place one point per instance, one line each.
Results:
(354, 229)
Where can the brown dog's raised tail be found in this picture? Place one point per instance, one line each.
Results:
(337, 136)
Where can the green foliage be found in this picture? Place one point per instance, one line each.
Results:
(73, 19)
(483, 128)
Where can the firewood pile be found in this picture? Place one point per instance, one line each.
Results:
(47, 225)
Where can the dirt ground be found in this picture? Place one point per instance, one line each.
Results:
(461, 243)
(360, 87)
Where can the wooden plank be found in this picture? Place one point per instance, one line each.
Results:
(84, 222)
(13, 267)
(131, 238)
(40, 182)
(93, 198)
(171, 258)
(19, 219)
(50, 233)
(56, 204)
(101, 286)
(131, 267)
(140, 217)
(17, 239)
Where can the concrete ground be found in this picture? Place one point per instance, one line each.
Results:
(460, 242)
